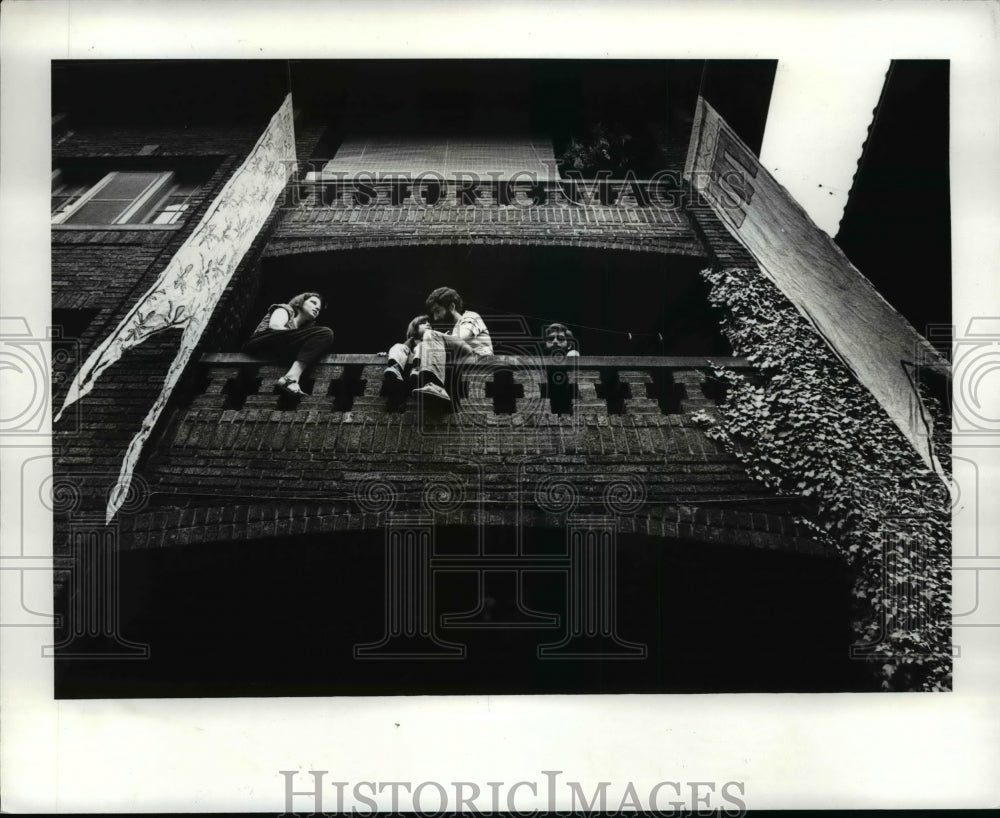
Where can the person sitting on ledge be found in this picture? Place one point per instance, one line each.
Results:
(406, 355)
(468, 338)
(291, 329)
(560, 341)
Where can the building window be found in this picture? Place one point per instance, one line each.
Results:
(177, 201)
(121, 197)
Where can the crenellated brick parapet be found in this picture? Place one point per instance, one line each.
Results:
(529, 443)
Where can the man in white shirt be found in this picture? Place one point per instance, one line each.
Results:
(467, 338)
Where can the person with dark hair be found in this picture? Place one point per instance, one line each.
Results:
(558, 339)
(468, 337)
(403, 356)
(291, 329)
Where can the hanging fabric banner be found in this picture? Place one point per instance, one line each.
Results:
(186, 293)
(873, 340)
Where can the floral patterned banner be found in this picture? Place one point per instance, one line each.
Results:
(187, 291)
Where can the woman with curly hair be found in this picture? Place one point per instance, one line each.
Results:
(291, 328)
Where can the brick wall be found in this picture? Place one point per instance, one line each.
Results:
(319, 219)
(214, 471)
(268, 468)
(194, 140)
(106, 271)
(724, 248)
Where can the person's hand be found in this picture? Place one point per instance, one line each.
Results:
(382, 354)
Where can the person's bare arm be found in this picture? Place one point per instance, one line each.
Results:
(464, 332)
(458, 344)
(279, 319)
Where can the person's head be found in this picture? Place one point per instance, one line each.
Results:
(415, 330)
(558, 338)
(443, 301)
(308, 303)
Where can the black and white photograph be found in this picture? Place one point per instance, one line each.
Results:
(406, 385)
(373, 365)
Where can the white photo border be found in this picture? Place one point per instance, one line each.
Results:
(843, 751)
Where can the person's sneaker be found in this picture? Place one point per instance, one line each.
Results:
(432, 390)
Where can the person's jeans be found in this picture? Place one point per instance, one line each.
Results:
(434, 352)
(402, 356)
(308, 344)
(430, 355)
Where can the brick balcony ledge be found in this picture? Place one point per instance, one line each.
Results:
(498, 384)
(579, 361)
(527, 435)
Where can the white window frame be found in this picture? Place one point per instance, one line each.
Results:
(141, 201)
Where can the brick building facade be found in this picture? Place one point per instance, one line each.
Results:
(568, 509)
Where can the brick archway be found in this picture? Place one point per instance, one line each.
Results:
(708, 523)
(458, 234)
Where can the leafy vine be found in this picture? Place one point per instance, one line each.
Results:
(804, 426)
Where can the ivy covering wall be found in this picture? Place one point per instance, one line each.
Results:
(803, 425)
